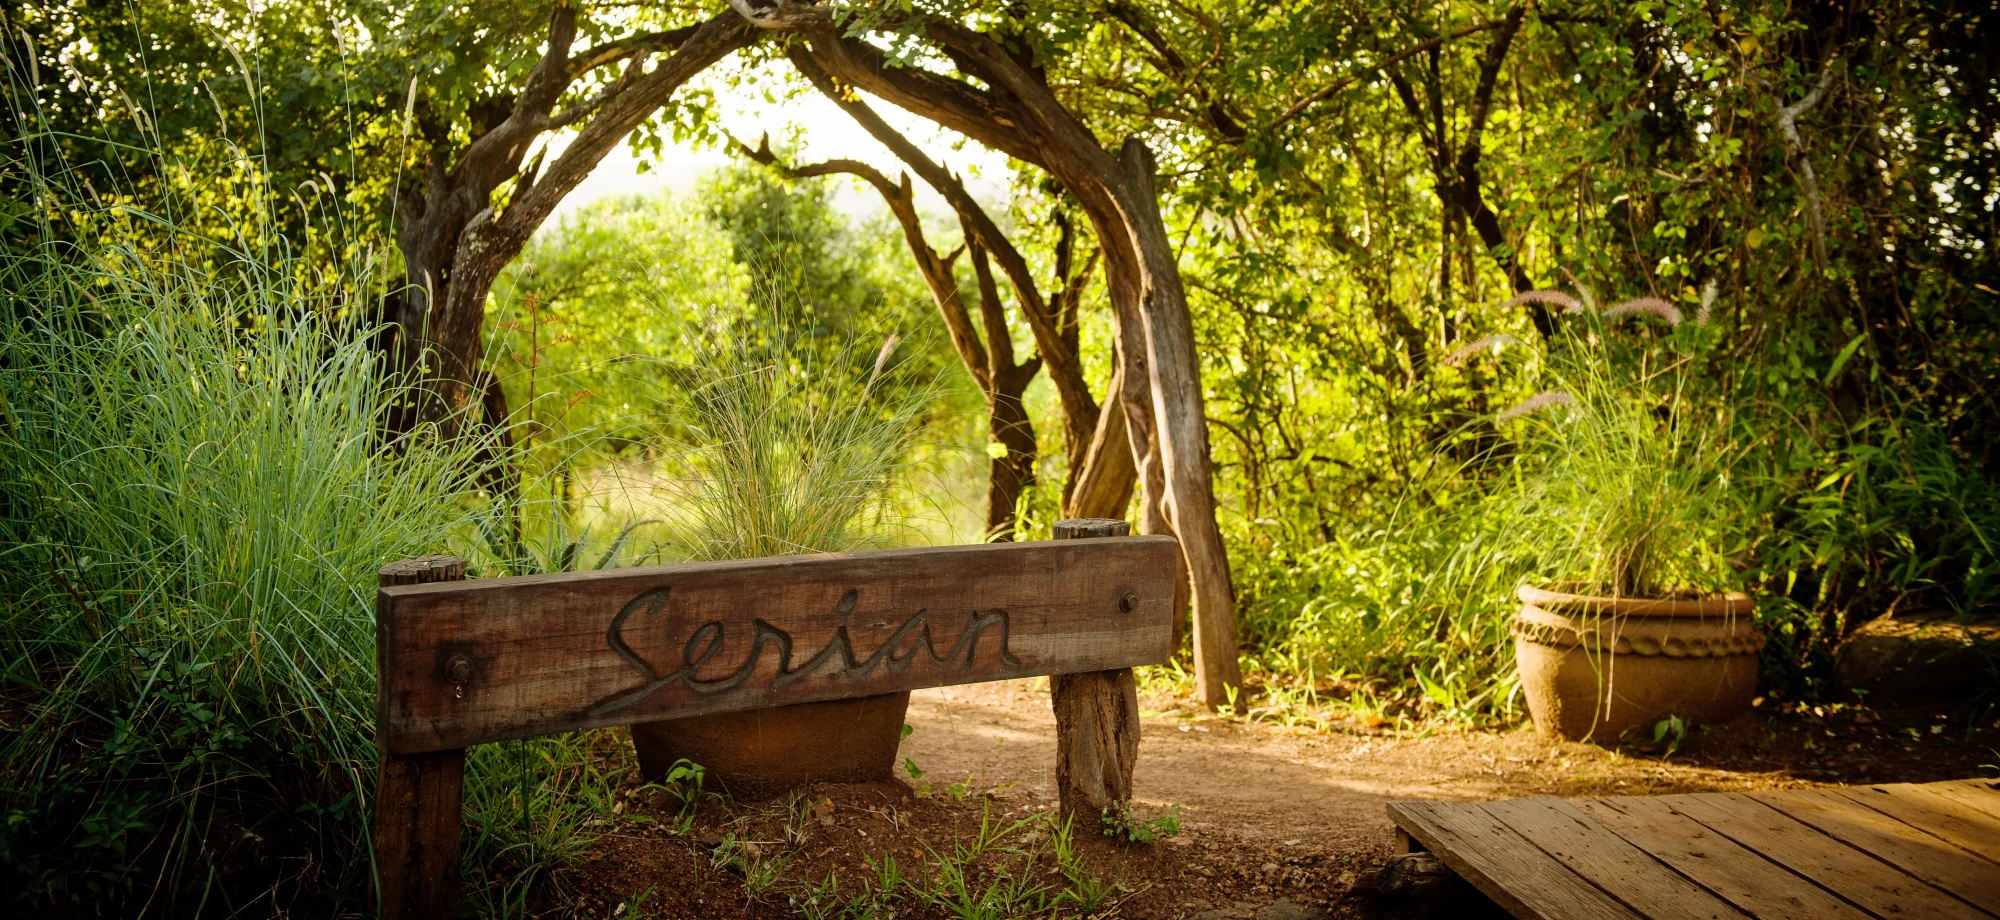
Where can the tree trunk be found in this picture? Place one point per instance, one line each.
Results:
(1010, 475)
(1103, 487)
(1097, 719)
(1183, 423)
(454, 242)
(1015, 112)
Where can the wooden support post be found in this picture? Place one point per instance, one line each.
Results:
(1097, 716)
(419, 808)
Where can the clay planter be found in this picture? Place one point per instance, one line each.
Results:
(1595, 667)
(761, 753)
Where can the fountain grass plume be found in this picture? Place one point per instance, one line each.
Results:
(1629, 492)
(1537, 403)
(1566, 301)
(1650, 306)
(1495, 342)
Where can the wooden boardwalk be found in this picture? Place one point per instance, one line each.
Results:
(1893, 851)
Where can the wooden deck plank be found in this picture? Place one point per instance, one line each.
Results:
(1923, 855)
(1754, 884)
(1919, 807)
(1976, 794)
(1519, 877)
(1606, 860)
(1858, 877)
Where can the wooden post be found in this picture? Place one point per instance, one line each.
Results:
(419, 808)
(1097, 716)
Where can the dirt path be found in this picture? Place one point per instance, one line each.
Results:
(1257, 781)
(1279, 821)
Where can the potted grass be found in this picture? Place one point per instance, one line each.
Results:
(783, 453)
(1622, 489)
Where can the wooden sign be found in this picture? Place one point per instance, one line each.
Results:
(471, 662)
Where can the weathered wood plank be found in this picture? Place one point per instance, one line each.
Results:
(1854, 875)
(1923, 855)
(1510, 870)
(419, 811)
(1097, 715)
(1918, 806)
(508, 658)
(1606, 860)
(1976, 794)
(1754, 884)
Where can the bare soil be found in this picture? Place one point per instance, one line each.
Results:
(1270, 813)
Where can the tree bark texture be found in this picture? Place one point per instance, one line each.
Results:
(1097, 718)
(454, 241)
(419, 800)
(1015, 112)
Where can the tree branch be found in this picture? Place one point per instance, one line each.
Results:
(935, 269)
(1482, 96)
(951, 103)
(1326, 92)
(576, 113)
(1788, 123)
(1170, 63)
(613, 52)
(999, 339)
(1064, 368)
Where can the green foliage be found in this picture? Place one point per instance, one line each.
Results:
(1121, 821)
(1621, 482)
(580, 322)
(782, 456)
(196, 499)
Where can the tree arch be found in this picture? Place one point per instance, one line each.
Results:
(1015, 112)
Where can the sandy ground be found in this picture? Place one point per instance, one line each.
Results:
(1279, 821)
(1256, 780)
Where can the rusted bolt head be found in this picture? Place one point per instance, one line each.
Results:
(1129, 601)
(458, 670)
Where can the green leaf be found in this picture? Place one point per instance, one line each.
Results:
(1840, 360)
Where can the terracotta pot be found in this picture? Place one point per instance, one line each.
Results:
(1595, 667)
(761, 753)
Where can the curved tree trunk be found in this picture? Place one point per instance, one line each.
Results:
(990, 363)
(1015, 112)
(1011, 474)
(455, 243)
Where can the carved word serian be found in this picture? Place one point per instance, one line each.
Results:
(707, 641)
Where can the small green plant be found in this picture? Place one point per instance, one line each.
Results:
(1123, 822)
(886, 881)
(747, 859)
(921, 786)
(634, 907)
(964, 890)
(1086, 893)
(1673, 731)
(681, 784)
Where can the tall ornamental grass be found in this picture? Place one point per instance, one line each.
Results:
(195, 495)
(780, 453)
(1620, 476)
